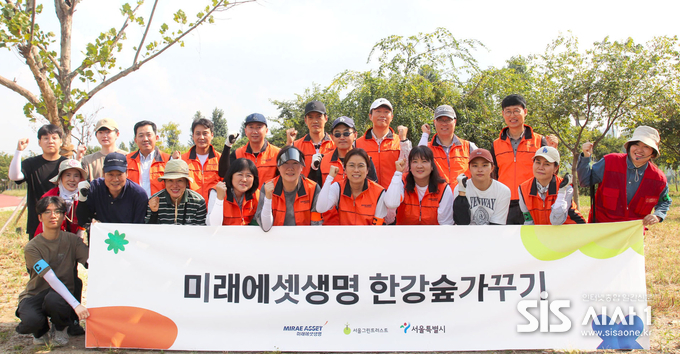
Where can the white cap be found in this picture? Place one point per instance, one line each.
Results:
(380, 102)
(647, 135)
(549, 153)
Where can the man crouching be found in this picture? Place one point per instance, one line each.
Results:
(50, 258)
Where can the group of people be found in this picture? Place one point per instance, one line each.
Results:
(322, 178)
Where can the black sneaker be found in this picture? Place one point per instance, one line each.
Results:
(75, 329)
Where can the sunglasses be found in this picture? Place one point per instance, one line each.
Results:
(345, 134)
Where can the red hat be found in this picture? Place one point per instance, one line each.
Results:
(483, 153)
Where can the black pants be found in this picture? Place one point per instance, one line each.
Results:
(515, 216)
(35, 310)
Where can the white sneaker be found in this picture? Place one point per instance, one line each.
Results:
(59, 338)
(42, 340)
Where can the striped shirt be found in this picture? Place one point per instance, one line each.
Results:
(191, 209)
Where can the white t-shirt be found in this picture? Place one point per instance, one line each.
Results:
(489, 206)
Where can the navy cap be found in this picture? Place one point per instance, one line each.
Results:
(255, 118)
(115, 161)
(315, 106)
(343, 120)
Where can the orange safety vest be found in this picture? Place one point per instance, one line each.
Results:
(540, 209)
(233, 214)
(306, 145)
(412, 211)
(384, 155)
(206, 176)
(265, 160)
(515, 169)
(134, 169)
(302, 205)
(455, 163)
(359, 211)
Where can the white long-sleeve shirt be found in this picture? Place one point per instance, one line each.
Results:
(329, 196)
(395, 195)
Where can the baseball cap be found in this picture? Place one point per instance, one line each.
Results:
(176, 169)
(255, 118)
(115, 161)
(549, 153)
(315, 106)
(292, 153)
(647, 135)
(380, 102)
(483, 153)
(67, 165)
(444, 110)
(107, 123)
(343, 120)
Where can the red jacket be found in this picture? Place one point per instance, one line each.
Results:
(611, 199)
(70, 226)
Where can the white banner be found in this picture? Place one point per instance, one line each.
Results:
(367, 288)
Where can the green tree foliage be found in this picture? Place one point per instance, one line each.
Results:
(582, 95)
(219, 127)
(169, 134)
(64, 87)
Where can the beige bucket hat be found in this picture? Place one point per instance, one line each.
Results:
(647, 135)
(176, 169)
(67, 165)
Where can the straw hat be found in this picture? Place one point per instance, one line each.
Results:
(176, 169)
(647, 135)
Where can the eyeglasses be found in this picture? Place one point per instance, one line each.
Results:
(339, 134)
(515, 112)
(52, 212)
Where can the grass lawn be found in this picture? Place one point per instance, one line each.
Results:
(15, 193)
(662, 252)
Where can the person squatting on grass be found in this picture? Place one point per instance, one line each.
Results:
(50, 258)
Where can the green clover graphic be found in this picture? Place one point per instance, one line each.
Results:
(116, 242)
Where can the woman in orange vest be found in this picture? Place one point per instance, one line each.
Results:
(290, 198)
(234, 200)
(539, 199)
(426, 199)
(359, 200)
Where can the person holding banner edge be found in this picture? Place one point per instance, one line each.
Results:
(622, 195)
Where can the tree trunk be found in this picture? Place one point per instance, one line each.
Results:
(575, 180)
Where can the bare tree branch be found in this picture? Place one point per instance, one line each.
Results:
(30, 38)
(20, 90)
(136, 66)
(148, 25)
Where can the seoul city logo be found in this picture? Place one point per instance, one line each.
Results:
(406, 326)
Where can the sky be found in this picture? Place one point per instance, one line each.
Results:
(275, 49)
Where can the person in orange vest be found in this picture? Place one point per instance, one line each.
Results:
(539, 198)
(290, 198)
(425, 198)
(234, 200)
(145, 165)
(631, 185)
(513, 152)
(358, 200)
(343, 133)
(381, 144)
(451, 153)
(202, 158)
(480, 199)
(258, 149)
(316, 143)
